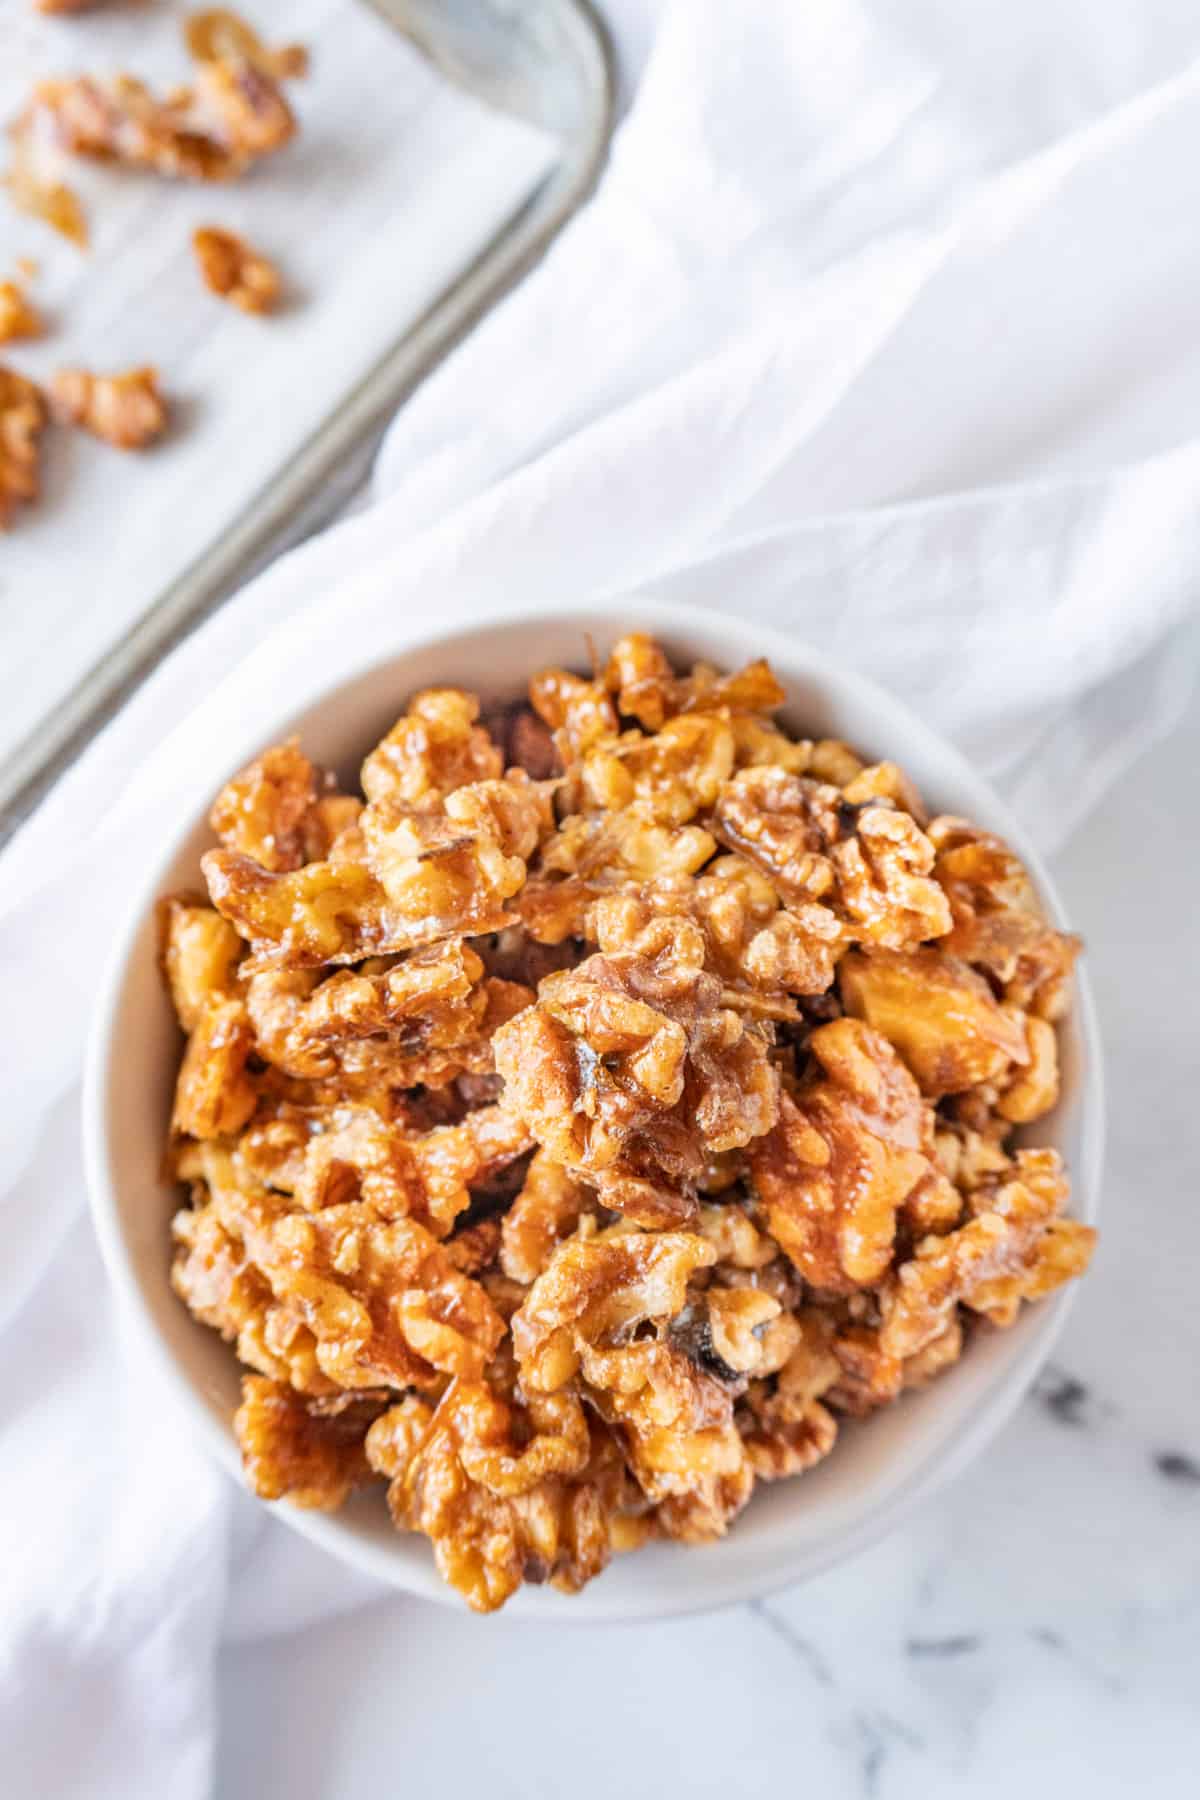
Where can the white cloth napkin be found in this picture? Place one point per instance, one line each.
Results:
(880, 328)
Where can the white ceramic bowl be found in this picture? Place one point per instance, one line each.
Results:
(878, 1470)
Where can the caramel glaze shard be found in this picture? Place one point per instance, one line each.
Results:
(848, 1151)
(127, 410)
(18, 318)
(235, 271)
(582, 1125)
(630, 1063)
(22, 421)
(301, 1450)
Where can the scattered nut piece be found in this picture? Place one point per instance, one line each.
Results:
(126, 410)
(235, 270)
(18, 318)
(22, 421)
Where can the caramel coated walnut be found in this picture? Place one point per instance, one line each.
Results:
(199, 951)
(595, 1292)
(848, 1151)
(426, 1019)
(361, 1156)
(552, 1526)
(647, 688)
(279, 810)
(1014, 1248)
(593, 854)
(18, 318)
(233, 115)
(761, 950)
(127, 410)
(215, 1095)
(998, 924)
(547, 1209)
(384, 1302)
(292, 1451)
(938, 1013)
(405, 877)
(871, 862)
(630, 1071)
(23, 418)
(235, 271)
(435, 747)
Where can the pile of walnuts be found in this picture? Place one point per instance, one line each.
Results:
(582, 1123)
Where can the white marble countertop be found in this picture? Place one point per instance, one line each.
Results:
(1033, 1630)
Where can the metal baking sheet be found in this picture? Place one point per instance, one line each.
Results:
(545, 63)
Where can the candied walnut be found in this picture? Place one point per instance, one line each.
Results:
(884, 781)
(934, 1205)
(214, 1095)
(586, 1314)
(1033, 1090)
(235, 271)
(325, 912)
(762, 952)
(647, 688)
(242, 109)
(218, 35)
(454, 870)
(292, 1452)
(578, 712)
(941, 1352)
(784, 1425)
(629, 1070)
(506, 1493)
(786, 824)
(416, 877)
(213, 1274)
(361, 1156)
(22, 420)
(199, 952)
(1014, 1248)
(547, 1210)
(382, 1298)
(396, 1435)
(704, 1513)
(673, 775)
(595, 1292)
(427, 1019)
(729, 1230)
(18, 318)
(998, 923)
(848, 1151)
(871, 861)
(593, 854)
(435, 747)
(265, 810)
(937, 1012)
(476, 1247)
(126, 410)
(722, 1329)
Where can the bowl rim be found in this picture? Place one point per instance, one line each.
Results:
(716, 1586)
